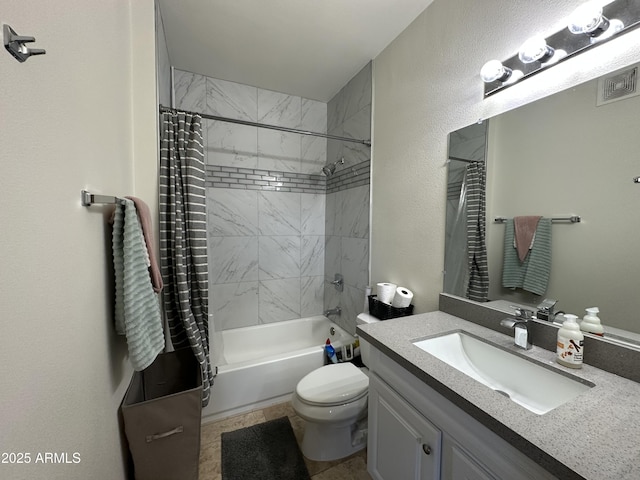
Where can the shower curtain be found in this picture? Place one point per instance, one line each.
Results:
(183, 237)
(478, 288)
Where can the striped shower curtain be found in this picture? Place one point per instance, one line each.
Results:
(478, 289)
(183, 237)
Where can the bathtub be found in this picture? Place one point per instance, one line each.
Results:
(261, 365)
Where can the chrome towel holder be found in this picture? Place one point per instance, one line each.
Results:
(87, 198)
(15, 44)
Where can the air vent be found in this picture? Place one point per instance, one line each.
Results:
(618, 86)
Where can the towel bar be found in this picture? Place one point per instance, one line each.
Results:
(570, 219)
(87, 198)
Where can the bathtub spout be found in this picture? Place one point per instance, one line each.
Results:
(333, 311)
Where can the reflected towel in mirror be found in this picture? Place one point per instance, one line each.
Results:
(531, 275)
(525, 234)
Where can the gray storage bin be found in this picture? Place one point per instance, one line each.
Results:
(162, 410)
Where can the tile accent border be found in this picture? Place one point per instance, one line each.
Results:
(274, 181)
(256, 179)
(349, 176)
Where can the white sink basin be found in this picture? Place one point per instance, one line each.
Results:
(532, 385)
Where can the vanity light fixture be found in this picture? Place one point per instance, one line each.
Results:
(591, 24)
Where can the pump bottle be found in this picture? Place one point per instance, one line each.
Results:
(591, 323)
(570, 346)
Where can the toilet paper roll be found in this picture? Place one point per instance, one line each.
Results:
(386, 291)
(402, 297)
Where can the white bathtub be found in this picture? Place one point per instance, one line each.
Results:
(261, 365)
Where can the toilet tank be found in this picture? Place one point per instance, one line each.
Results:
(363, 319)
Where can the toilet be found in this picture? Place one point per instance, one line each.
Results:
(332, 400)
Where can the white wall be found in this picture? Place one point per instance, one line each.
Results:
(67, 124)
(426, 84)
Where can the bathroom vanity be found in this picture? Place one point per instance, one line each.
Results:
(428, 420)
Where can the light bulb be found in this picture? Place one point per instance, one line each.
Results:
(615, 26)
(535, 49)
(588, 19)
(493, 71)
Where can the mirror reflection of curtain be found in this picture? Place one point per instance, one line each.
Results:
(456, 277)
(476, 233)
(466, 268)
(466, 196)
(183, 238)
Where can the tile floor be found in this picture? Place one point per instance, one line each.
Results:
(350, 468)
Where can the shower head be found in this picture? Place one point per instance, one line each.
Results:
(329, 170)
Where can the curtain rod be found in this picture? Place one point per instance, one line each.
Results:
(164, 109)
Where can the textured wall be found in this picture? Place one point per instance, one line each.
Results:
(67, 124)
(426, 84)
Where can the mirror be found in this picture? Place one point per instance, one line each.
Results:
(572, 153)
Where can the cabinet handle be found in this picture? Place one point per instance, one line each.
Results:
(426, 449)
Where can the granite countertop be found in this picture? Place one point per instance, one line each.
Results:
(596, 435)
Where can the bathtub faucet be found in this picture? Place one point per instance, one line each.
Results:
(333, 311)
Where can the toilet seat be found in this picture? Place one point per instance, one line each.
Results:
(333, 385)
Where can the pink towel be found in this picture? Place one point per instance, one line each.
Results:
(525, 230)
(144, 214)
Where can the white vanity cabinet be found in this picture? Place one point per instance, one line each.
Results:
(417, 434)
(402, 443)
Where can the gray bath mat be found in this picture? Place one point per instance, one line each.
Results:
(267, 451)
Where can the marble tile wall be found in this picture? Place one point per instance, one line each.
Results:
(277, 230)
(265, 201)
(163, 65)
(347, 200)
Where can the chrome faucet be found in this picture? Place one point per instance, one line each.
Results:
(333, 311)
(522, 334)
(522, 313)
(546, 310)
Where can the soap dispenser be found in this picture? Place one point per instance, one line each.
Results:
(570, 346)
(591, 323)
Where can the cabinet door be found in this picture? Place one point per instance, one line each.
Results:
(402, 443)
(458, 465)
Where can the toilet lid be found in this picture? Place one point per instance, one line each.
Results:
(333, 385)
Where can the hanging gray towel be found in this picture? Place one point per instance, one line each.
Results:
(137, 310)
(531, 275)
